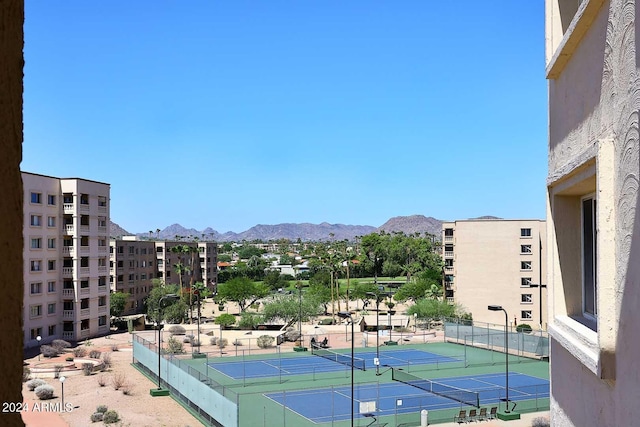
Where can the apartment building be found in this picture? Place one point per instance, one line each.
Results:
(495, 261)
(592, 211)
(199, 258)
(65, 258)
(133, 266)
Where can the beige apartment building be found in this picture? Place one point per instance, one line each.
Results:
(133, 267)
(65, 258)
(495, 261)
(592, 67)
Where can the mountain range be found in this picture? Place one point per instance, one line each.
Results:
(304, 231)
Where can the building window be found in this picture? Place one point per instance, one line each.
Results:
(35, 310)
(525, 249)
(51, 243)
(51, 200)
(526, 298)
(589, 257)
(159, 249)
(52, 330)
(36, 265)
(36, 220)
(51, 286)
(131, 250)
(51, 308)
(102, 221)
(131, 276)
(51, 221)
(120, 249)
(84, 324)
(84, 284)
(102, 301)
(35, 333)
(51, 265)
(36, 288)
(448, 232)
(525, 232)
(525, 281)
(102, 320)
(526, 315)
(84, 303)
(525, 265)
(102, 201)
(84, 199)
(36, 198)
(36, 243)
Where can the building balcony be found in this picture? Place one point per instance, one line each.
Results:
(68, 208)
(85, 312)
(67, 272)
(68, 228)
(448, 238)
(84, 291)
(448, 286)
(102, 208)
(68, 314)
(103, 328)
(68, 336)
(102, 269)
(66, 250)
(85, 333)
(102, 309)
(103, 288)
(102, 229)
(450, 300)
(448, 254)
(102, 249)
(448, 267)
(85, 249)
(84, 207)
(85, 271)
(68, 293)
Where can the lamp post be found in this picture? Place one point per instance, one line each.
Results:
(299, 285)
(197, 293)
(506, 348)
(62, 391)
(377, 297)
(172, 297)
(347, 315)
(39, 338)
(540, 285)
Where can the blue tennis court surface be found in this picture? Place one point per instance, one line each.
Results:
(325, 405)
(308, 364)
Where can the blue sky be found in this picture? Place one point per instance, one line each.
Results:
(228, 114)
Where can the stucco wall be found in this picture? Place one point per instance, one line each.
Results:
(11, 44)
(595, 99)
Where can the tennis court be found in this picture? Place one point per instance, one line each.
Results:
(333, 404)
(326, 361)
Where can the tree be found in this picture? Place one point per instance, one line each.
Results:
(287, 308)
(225, 320)
(360, 291)
(117, 303)
(433, 309)
(426, 285)
(243, 291)
(320, 294)
(169, 312)
(274, 280)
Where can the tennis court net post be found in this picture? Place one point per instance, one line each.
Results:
(468, 397)
(344, 359)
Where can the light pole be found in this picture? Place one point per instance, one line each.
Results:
(62, 391)
(172, 297)
(540, 285)
(506, 348)
(347, 315)
(197, 292)
(39, 338)
(377, 361)
(299, 284)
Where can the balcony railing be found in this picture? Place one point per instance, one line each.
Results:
(67, 314)
(66, 250)
(102, 288)
(102, 309)
(70, 293)
(68, 208)
(85, 333)
(448, 238)
(102, 269)
(85, 312)
(84, 207)
(103, 328)
(448, 253)
(84, 291)
(102, 249)
(85, 249)
(450, 300)
(102, 208)
(67, 271)
(102, 229)
(68, 228)
(69, 336)
(448, 267)
(85, 271)
(84, 228)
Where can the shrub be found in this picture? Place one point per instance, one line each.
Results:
(102, 409)
(26, 373)
(87, 368)
(96, 416)
(118, 380)
(523, 327)
(326, 321)
(60, 345)
(48, 351)
(44, 392)
(195, 342)
(57, 370)
(102, 381)
(225, 320)
(69, 359)
(106, 360)
(250, 320)
(265, 341)
(292, 335)
(174, 346)
(95, 354)
(214, 340)
(34, 383)
(126, 389)
(540, 422)
(79, 352)
(237, 342)
(114, 347)
(222, 342)
(177, 330)
(110, 417)
(187, 339)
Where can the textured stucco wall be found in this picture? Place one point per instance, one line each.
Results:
(596, 99)
(11, 44)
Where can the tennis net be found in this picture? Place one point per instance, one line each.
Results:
(468, 397)
(345, 359)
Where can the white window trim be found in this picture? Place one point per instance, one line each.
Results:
(588, 316)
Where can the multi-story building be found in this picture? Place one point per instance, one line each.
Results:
(133, 267)
(203, 256)
(494, 261)
(209, 264)
(593, 206)
(65, 258)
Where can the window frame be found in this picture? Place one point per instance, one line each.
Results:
(594, 255)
